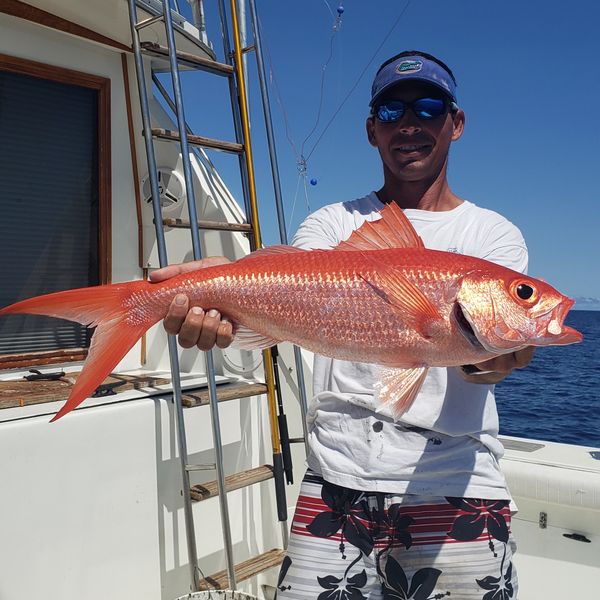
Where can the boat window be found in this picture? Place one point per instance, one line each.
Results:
(50, 197)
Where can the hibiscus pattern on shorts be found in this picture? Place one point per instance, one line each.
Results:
(480, 515)
(348, 511)
(396, 585)
(500, 588)
(374, 530)
(346, 587)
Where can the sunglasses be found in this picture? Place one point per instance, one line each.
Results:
(424, 108)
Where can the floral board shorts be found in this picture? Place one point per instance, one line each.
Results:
(352, 545)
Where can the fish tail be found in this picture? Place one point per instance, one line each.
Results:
(120, 320)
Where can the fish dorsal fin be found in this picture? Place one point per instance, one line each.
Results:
(392, 230)
(271, 250)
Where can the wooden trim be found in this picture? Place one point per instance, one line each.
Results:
(21, 10)
(102, 86)
(51, 357)
(144, 339)
(20, 392)
(134, 162)
(24, 66)
(104, 184)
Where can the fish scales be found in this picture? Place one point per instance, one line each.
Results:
(321, 300)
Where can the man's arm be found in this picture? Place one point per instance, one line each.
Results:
(194, 327)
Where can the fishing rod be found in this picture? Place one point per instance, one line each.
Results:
(284, 435)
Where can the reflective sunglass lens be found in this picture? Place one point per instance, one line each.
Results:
(429, 108)
(390, 112)
(424, 108)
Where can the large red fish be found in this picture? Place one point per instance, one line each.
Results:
(379, 297)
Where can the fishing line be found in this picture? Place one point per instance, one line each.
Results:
(329, 9)
(362, 73)
(301, 159)
(306, 195)
(336, 28)
(273, 82)
(289, 225)
(301, 165)
(278, 97)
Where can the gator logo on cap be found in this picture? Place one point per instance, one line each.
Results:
(409, 66)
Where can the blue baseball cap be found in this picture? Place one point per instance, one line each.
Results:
(412, 68)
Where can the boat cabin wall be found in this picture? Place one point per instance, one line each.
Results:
(132, 241)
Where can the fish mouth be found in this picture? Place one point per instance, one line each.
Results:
(551, 330)
(465, 327)
(568, 336)
(557, 332)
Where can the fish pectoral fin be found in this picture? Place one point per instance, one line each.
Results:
(248, 339)
(396, 389)
(392, 230)
(405, 297)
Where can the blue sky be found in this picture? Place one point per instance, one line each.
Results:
(528, 80)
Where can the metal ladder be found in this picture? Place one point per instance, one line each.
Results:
(233, 70)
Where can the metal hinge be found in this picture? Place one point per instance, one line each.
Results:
(543, 520)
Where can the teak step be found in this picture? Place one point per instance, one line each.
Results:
(215, 225)
(198, 140)
(245, 570)
(188, 60)
(23, 393)
(226, 391)
(204, 491)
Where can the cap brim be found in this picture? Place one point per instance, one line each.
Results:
(411, 79)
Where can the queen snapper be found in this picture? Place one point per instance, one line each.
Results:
(379, 297)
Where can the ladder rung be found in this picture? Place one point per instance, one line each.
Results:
(216, 225)
(204, 491)
(188, 60)
(210, 467)
(245, 570)
(148, 21)
(227, 391)
(198, 140)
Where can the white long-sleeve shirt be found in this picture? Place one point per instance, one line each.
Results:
(446, 443)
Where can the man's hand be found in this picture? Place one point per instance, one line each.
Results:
(497, 369)
(194, 327)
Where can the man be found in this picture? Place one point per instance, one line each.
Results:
(414, 508)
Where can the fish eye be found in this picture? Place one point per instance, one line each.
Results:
(525, 291)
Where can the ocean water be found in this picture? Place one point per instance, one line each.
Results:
(557, 397)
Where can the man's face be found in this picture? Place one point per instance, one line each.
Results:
(414, 149)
